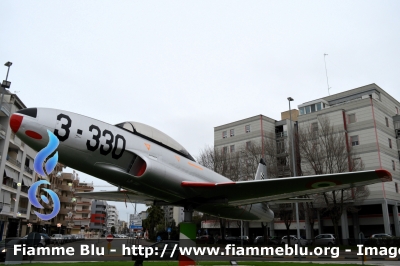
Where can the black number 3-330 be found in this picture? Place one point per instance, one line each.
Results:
(109, 147)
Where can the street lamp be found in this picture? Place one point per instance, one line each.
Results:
(294, 168)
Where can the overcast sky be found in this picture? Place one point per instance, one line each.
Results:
(186, 67)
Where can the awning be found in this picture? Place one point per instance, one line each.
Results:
(27, 181)
(7, 196)
(11, 174)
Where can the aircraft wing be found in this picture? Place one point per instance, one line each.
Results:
(122, 195)
(248, 192)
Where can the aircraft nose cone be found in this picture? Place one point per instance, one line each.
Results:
(15, 122)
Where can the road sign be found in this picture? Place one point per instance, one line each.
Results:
(136, 227)
(110, 238)
(169, 229)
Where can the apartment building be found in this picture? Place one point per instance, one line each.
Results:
(16, 164)
(173, 213)
(81, 217)
(98, 216)
(260, 130)
(112, 218)
(370, 119)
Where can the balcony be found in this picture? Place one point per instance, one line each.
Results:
(6, 108)
(22, 210)
(28, 170)
(281, 134)
(66, 211)
(14, 161)
(84, 188)
(67, 176)
(65, 199)
(65, 187)
(83, 211)
(2, 132)
(84, 203)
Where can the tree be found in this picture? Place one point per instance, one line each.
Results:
(324, 149)
(155, 217)
(225, 163)
(112, 229)
(285, 213)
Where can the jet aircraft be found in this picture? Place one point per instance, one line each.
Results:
(152, 168)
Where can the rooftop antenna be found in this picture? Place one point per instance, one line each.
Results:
(326, 71)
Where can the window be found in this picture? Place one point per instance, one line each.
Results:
(232, 132)
(225, 150)
(232, 148)
(224, 134)
(393, 165)
(387, 121)
(352, 118)
(397, 110)
(248, 144)
(247, 127)
(390, 143)
(354, 140)
(397, 187)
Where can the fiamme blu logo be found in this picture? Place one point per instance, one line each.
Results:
(44, 165)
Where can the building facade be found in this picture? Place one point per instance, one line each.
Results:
(16, 166)
(98, 217)
(369, 118)
(112, 218)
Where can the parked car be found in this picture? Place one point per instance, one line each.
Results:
(272, 240)
(42, 242)
(46, 237)
(57, 238)
(325, 240)
(205, 239)
(171, 246)
(294, 240)
(377, 239)
(380, 236)
(9, 243)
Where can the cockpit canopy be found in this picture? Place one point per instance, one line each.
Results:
(155, 135)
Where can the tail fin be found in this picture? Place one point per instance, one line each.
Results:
(261, 171)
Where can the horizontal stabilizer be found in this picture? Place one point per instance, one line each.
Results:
(123, 195)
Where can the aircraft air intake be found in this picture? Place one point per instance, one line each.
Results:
(139, 166)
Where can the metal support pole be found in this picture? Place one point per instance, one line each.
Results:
(241, 233)
(294, 171)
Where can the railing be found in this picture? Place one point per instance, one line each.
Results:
(14, 161)
(83, 211)
(2, 132)
(6, 107)
(22, 210)
(83, 203)
(281, 134)
(27, 169)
